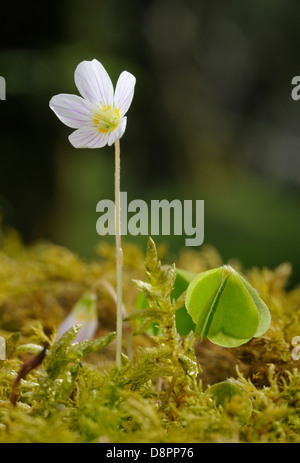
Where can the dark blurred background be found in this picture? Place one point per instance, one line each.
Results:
(212, 118)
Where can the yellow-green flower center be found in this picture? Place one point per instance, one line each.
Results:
(106, 119)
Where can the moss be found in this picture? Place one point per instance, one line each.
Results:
(160, 394)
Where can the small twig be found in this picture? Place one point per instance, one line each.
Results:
(159, 383)
(172, 383)
(26, 368)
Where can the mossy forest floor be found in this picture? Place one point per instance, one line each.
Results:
(160, 395)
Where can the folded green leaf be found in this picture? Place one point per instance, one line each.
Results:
(225, 307)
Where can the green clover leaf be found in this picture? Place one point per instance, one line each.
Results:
(225, 393)
(184, 322)
(225, 307)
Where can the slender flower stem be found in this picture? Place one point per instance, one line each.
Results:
(126, 325)
(119, 255)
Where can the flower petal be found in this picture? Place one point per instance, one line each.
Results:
(124, 92)
(72, 110)
(88, 137)
(118, 132)
(87, 330)
(94, 83)
(67, 323)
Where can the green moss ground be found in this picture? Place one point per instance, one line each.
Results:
(161, 394)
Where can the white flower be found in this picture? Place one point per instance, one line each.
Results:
(99, 115)
(83, 313)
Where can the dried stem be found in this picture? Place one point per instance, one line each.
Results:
(26, 368)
